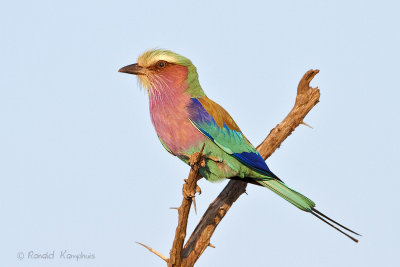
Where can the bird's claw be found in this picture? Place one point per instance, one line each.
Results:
(198, 189)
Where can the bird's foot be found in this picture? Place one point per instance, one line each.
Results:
(214, 159)
(191, 162)
(188, 192)
(197, 158)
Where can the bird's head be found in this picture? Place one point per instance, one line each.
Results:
(159, 70)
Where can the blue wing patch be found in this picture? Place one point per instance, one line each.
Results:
(255, 161)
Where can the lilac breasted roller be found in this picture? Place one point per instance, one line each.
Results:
(185, 119)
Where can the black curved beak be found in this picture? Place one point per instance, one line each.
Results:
(132, 69)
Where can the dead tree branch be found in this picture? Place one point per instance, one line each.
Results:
(307, 97)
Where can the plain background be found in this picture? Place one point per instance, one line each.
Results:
(82, 170)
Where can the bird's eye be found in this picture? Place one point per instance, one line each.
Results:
(161, 64)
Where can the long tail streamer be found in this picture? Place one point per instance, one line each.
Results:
(318, 214)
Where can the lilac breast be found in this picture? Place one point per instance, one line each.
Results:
(171, 121)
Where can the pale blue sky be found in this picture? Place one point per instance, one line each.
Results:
(81, 168)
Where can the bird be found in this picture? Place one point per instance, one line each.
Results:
(186, 121)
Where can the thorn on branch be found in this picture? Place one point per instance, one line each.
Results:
(155, 252)
(194, 204)
(302, 122)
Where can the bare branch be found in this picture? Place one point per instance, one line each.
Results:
(307, 97)
(155, 252)
(189, 190)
